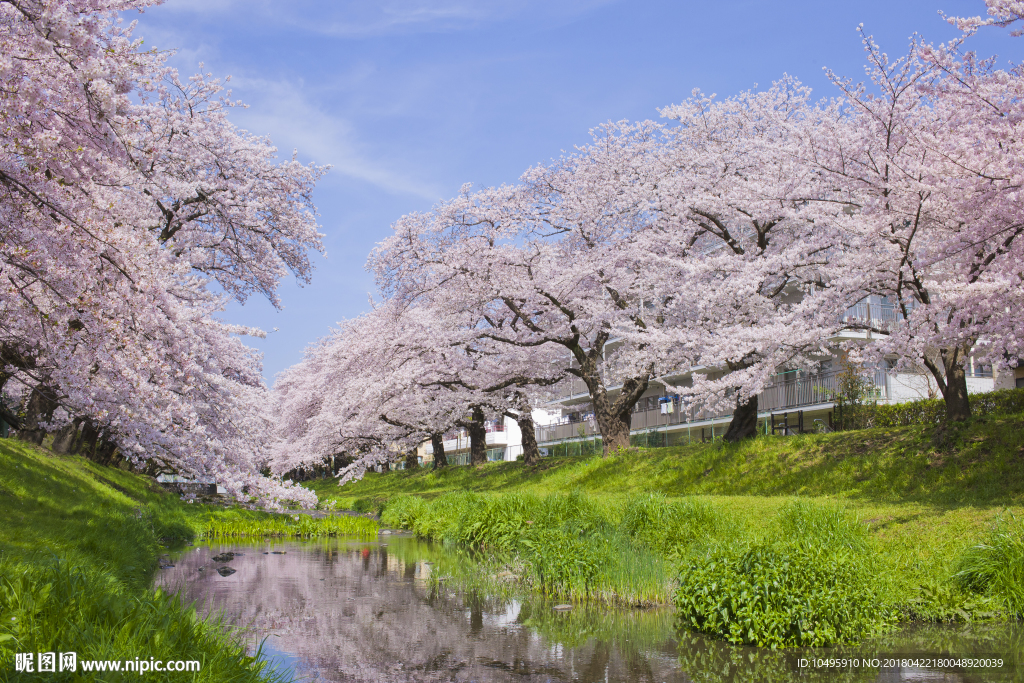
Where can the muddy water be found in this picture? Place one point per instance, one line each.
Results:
(354, 611)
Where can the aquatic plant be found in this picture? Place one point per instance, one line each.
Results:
(812, 581)
(995, 567)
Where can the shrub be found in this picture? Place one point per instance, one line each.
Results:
(811, 582)
(931, 411)
(995, 568)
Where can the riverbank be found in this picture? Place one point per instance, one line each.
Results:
(79, 547)
(923, 499)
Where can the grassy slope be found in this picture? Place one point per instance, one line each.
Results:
(93, 535)
(97, 517)
(925, 502)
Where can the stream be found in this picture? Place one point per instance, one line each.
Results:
(341, 610)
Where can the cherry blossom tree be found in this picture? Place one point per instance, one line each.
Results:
(933, 171)
(550, 264)
(739, 267)
(127, 194)
(385, 382)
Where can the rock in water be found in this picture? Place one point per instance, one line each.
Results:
(225, 571)
(223, 557)
(563, 608)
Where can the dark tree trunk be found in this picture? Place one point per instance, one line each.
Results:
(531, 454)
(958, 406)
(952, 381)
(411, 461)
(86, 445)
(477, 437)
(66, 438)
(744, 421)
(440, 459)
(106, 453)
(41, 404)
(615, 418)
(8, 417)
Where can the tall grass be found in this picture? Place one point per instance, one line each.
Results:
(567, 545)
(302, 526)
(995, 567)
(672, 527)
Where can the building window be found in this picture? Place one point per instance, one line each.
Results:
(495, 454)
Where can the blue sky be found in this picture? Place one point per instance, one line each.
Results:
(410, 99)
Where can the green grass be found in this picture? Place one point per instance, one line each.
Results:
(79, 545)
(931, 504)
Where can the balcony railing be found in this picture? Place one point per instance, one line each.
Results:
(884, 315)
(795, 392)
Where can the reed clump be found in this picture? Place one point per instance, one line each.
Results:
(994, 568)
(221, 525)
(568, 545)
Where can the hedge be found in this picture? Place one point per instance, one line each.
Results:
(929, 411)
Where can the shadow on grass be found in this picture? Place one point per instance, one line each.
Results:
(982, 465)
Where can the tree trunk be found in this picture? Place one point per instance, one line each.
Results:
(86, 444)
(615, 419)
(440, 459)
(744, 421)
(65, 439)
(41, 404)
(952, 381)
(531, 454)
(477, 437)
(106, 453)
(614, 427)
(411, 461)
(958, 406)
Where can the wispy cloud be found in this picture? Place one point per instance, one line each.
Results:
(283, 112)
(357, 18)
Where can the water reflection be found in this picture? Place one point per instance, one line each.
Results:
(353, 611)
